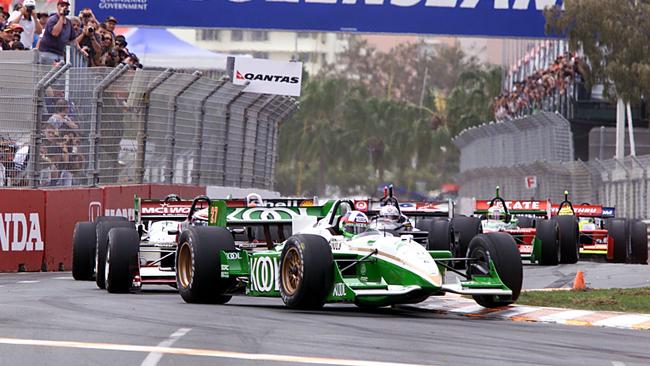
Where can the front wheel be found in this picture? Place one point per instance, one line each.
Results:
(121, 259)
(198, 265)
(306, 271)
(547, 233)
(501, 248)
(440, 235)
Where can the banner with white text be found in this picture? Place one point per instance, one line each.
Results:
(495, 18)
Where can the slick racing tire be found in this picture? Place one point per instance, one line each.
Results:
(548, 234)
(423, 224)
(618, 230)
(440, 235)
(306, 275)
(101, 232)
(198, 265)
(110, 218)
(121, 259)
(502, 249)
(569, 236)
(84, 242)
(525, 222)
(467, 228)
(638, 242)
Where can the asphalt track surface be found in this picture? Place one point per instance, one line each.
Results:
(49, 319)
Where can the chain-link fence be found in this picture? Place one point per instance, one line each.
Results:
(541, 137)
(69, 126)
(542, 167)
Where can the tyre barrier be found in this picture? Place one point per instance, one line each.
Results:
(36, 225)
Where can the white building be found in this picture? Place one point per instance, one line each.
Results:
(314, 49)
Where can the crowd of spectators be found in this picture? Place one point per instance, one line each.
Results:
(25, 29)
(531, 94)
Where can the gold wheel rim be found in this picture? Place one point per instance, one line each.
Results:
(291, 271)
(185, 265)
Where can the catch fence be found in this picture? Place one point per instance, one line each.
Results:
(104, 126)
(543, 168)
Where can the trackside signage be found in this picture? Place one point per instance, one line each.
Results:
(497, 18)
(267, 77)
(20, 232)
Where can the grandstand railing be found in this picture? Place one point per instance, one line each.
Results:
(101, 125)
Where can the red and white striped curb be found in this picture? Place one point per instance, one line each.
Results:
(454, 304)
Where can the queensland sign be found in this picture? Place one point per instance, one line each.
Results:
(501, 18)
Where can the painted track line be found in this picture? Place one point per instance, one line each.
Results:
(154, 357)
(263, 357)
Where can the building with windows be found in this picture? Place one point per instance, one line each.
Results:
(314, 49)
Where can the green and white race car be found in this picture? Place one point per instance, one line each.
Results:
(318, 265)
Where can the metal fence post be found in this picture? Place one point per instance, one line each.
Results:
(196, 174)
(171, 132)
(257, 144)
(243, 150)
(225, 145)
(142, 137)
(643, 189)
(95, 120)
(46, 81)
(626, 200)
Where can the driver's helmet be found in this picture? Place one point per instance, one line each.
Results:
(389, 212)
(495, 213)
(353, 223)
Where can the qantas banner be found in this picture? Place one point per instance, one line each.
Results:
(497, 18)
(266, 76)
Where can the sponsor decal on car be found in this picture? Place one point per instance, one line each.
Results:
(339, 289)
(264, 272)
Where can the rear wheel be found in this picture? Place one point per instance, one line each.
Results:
(121, 259)
(423, 224)
(618, 230)
(501, 248)
(198, 265)
(102, 229)
(569, 234)
(306, 273)
(525, 222)
(548, 235)
(638, 242)
(467, 228)
(84, 242)
(440, 235)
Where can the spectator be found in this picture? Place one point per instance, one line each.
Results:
(17, 46)
(86, 15)
(90, 43)
(10, 35)
(58, 33)
(111, 22)
(41, 18)
(3, 19)
(60, 118)
(26, 18)
(120, 48)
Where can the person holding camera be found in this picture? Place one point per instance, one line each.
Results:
(26, 18)
(58, 33)
(90, 43)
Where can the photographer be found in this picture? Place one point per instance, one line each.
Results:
(58, 33)
(26, 18)
(90, 43)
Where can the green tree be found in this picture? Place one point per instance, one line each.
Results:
(613, 36)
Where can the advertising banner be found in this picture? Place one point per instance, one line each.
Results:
(22, 230)
(496, 18)
(266, 76)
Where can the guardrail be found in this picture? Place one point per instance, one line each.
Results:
(79, 126)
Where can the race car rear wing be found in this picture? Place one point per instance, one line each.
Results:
(410, 208)
(176, 209)
(515, 207)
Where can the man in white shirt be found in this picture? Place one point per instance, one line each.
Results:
(26, 18)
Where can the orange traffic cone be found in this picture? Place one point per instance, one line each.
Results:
(579, 282)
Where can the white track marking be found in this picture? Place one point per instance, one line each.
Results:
(618, 363)
(63, 278)
(563, 316)
(28, 281)
(200, 352)
(623, 321)
(154, 357)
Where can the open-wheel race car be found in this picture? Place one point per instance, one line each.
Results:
(107, 250)
(98, 248)
(603, 235)
(333, 256)
(540, 238)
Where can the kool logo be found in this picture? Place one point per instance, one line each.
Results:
(263, 274)
(18, 233)
(267, 77)
(339, 289)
